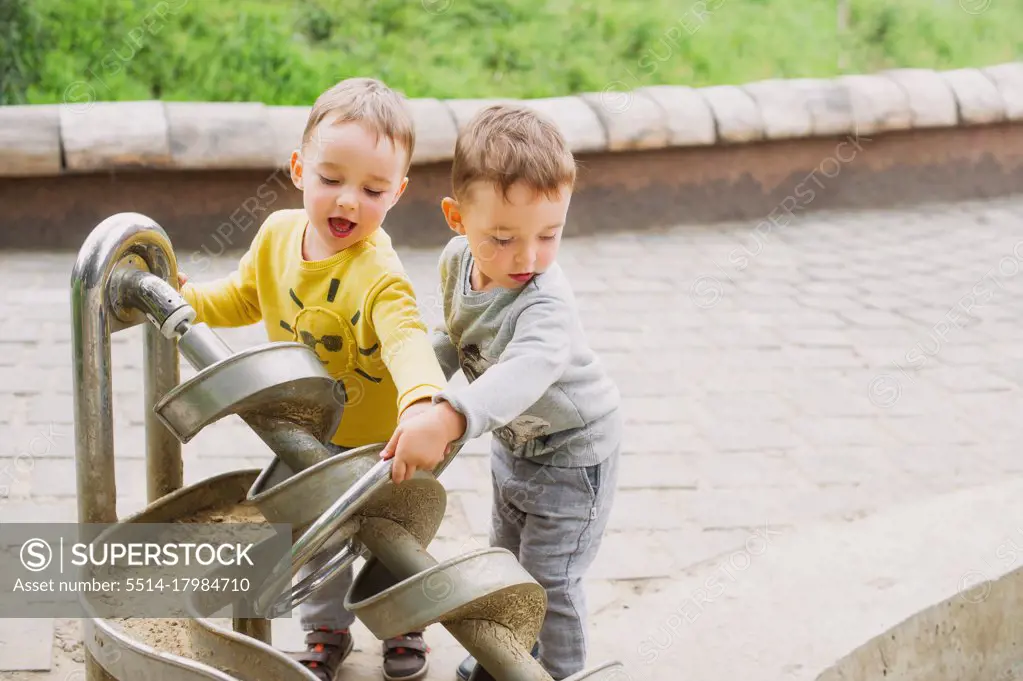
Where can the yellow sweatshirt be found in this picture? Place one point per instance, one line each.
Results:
(356, 309)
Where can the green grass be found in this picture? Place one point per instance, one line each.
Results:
(288, 51)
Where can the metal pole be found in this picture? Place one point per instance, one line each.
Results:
(164, 468)
(258, 629)
(94, 671)
(93, 400)
(94, 318)
(153, 258)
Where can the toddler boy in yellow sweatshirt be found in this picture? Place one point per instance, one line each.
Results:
(327, 276)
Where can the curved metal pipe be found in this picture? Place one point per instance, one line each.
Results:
(134, 288)
(168, 310)
(127, 240)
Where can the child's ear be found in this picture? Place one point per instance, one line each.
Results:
(296, 169)
(453, 214)
(401, 190)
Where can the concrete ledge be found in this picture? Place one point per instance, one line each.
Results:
(577, 121)
(829, 103)
(690, 120)
(783, 109)
(211, 135)
(878, 104)
(29, 141)
(435, 131)
(635, 122)
(931, 101)
(779, 181)
(926, 591)
(116, 136)
(462, 111)
(1008, 79)
(973, 635)
(979, 101)
(287, 124)
(736, 112)
(209, 174)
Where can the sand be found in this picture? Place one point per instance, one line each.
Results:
(173, 634)
(169, 635)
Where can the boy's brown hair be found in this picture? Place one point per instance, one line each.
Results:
(369, 102)
(508, 143)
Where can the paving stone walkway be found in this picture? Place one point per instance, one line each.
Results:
(772, 376)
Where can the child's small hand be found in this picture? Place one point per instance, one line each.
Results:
(182, 278)
(422, 440)
(415, 409)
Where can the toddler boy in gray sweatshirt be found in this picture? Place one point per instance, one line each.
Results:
(512, 326)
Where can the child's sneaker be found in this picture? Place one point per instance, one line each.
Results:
(405, 657)
(326, 650)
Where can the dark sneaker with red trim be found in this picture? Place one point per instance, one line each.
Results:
(405, 657)
(326, 650)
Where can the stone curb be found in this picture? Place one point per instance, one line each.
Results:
(46, 140)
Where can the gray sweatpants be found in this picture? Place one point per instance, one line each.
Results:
(553, 519)
(326, 607)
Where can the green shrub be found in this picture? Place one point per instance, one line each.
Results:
(288, 51)
(20, 50)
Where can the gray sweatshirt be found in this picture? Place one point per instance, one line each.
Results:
(533, 379)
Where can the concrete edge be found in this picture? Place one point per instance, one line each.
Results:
(972, 631)
(961, 637)
(90, 136)
(925, 590)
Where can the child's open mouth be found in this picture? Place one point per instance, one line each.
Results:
(340, 227)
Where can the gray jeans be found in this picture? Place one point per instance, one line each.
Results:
(553, 519)
(326, 606)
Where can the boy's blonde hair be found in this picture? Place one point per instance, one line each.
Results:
(508, 143)
(369, 102)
